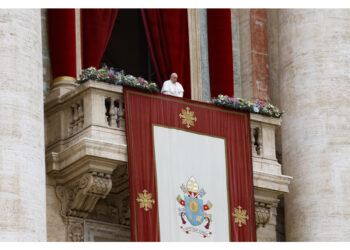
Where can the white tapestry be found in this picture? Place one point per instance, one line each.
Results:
(192, 186)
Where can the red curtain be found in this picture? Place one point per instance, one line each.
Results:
(96, 28)
(142, 112)
(61, 32)
(167, 35)
(220, 51)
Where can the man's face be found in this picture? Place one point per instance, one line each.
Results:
(173, 78)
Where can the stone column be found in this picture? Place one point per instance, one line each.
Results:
(254, 54)
(199, 63)
(22, 165)
(315, 95)
(78, 42)
(236, 53)
(260, 56)
(245, 53)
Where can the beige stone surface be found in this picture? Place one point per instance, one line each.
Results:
(22, 164)
(245, 53)
(236, 55)
(195, 53)
(47, 72)
(56, 229)
(268, 180)
(273, 47)
(314, 77)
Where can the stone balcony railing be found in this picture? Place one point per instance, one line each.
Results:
(86, 157)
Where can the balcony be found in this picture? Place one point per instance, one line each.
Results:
(86, 164)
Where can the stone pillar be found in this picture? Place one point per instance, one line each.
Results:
(245, 53)
(260, 57)
(195, 54)
(315, 95)
(78, 42)
(236, 53)
(254, 54)
(47, 72)
(206, 96)
(22, 165)
(199, 63)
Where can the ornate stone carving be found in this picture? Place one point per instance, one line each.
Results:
(262, 213)
(76, 232)
(125, 212)
(115, 208)
(79, 197)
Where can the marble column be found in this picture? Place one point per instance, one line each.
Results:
(260, 56)
(254, 59)
(22, 164)
(237, 88)
(199, 63)
(315, 95)
(245, 53)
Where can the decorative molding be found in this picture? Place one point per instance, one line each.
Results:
(262, 213)
(79, 197)
(76, 232)
(115, 208)
(125, 212)
(98, 231)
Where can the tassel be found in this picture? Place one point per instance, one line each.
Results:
(183, 220)
(208, 224)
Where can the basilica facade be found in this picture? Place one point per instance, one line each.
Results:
(64, 163)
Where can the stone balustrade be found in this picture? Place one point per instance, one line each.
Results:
(86, 142)
(268, 180)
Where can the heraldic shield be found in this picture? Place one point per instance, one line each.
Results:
(194, 210)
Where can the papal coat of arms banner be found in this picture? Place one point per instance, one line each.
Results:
(190, 170)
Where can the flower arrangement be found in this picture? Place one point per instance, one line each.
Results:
(258, 107)
(116, 77)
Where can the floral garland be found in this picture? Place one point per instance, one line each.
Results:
(117, 78)
(259, 107)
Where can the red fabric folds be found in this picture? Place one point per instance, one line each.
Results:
(96, 27)
(61, 32)
(142, 112)
(220, 52)
(167, 35)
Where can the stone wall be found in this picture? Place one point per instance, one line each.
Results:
(22, 164)
(314, 85)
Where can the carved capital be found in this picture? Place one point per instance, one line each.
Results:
(79, 197)
(262, 213)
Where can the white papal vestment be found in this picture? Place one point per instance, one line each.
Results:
(174, 89)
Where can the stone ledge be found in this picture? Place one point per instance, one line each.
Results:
(85, 150)
(55, 99)
(265, 119)
(274, 183)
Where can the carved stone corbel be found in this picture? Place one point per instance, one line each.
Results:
(79, 197)
(262, 213)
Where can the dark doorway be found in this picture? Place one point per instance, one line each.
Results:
(127, 48)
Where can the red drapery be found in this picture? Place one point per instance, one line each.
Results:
(142, 111)
(61, 32)
(96, 27)
(220, 51)
(167, 35)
